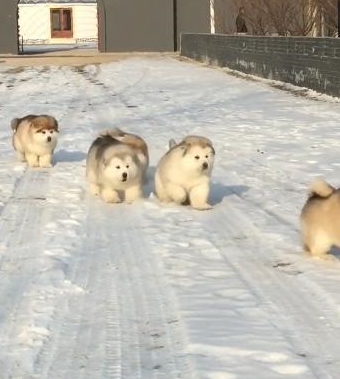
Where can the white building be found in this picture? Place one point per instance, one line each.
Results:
(58, 21)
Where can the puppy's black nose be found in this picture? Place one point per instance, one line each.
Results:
(49, 139)
(124, 175)
(205, 165)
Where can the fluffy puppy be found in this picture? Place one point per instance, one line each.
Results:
(137, 144)
(320, 219)
(114, 170)
(183, 173)
(35, 138)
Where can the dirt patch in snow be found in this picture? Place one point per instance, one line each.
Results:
(71, 58)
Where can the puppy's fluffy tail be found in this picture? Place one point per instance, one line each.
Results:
(114, 132)
(14, 124)
(320, 188)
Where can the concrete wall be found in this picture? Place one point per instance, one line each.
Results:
(137, 25)
(192, 16)
(306, 62)
(149, 25)
(8, 27)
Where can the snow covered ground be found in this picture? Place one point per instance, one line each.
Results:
(95, 291)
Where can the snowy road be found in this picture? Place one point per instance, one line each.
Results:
(96, 291)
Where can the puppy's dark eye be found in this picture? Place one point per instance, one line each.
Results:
(51, 131)
(117, 167)
(207, 156)
(43, 132)
(197, 157)
(127, 166)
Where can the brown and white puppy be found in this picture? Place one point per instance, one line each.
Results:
(320, 219)
(114, 170)
(183, 173)
(35, 138)
(137, 144)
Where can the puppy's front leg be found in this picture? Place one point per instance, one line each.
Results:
(160, 190)
(45, 160)
(176, 193)
(110, 195)
(133, 193)
(20, 155)
(32, 160)
(199, 196)
(94, 188)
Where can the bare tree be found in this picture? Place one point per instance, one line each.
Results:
(302, 18)
(327, 16)
(258, 17)
(225, 15)
(283, 17)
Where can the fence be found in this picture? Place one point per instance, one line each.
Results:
(307, 62)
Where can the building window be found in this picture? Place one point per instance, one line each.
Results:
(61, 23)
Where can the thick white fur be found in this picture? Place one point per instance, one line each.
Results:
(105, 172)
(33, 147)
(136, 143)
(180, 176)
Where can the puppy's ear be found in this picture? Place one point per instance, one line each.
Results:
(52, 122)
(14, 124)
(136, 160)
(55, 124)
(212, 149)
(33, 123)
(172, 143)
(185, 146)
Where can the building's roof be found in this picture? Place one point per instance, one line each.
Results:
(55, 1)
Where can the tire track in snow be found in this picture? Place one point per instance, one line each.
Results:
(24, 209)
(163, 334)
(123, 325)
(236, 251)
(38, 283)
(309, 326)
(25, 215)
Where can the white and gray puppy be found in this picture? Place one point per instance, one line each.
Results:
(137, 144)
(183, 173)
(320, 219)
(35, 138)
(114, 170)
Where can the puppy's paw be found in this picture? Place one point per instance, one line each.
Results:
(45, 161)
(110, 196)
(111, 199)
(20, 156)
(46, 165)
(94, 189)
(133, 194)
(203, 207)
(32, 163)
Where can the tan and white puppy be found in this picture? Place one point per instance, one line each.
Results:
(113, 170)
(320, 219)
(35, 138)
(137, 144)
(183, 173)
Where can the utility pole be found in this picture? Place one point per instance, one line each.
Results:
(175, 24)
(339, 18)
